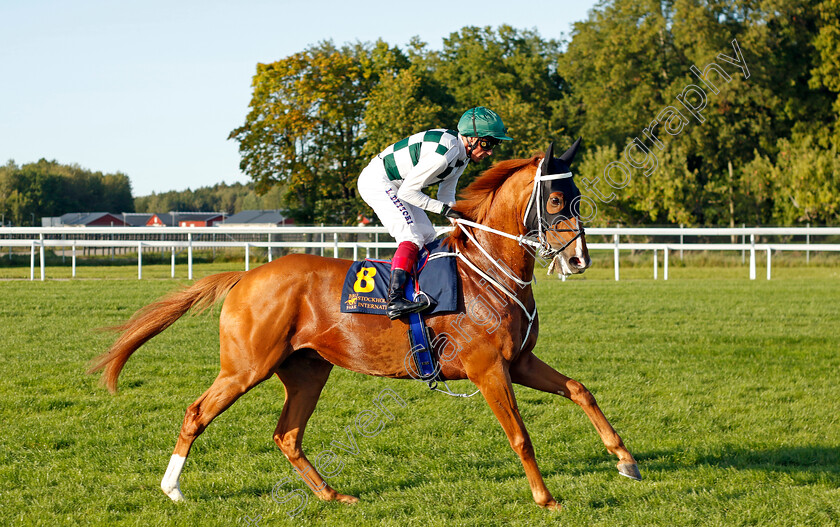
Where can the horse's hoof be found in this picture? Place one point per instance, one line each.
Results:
(173, 493)
(552, 505)
(630, 470)
(349, 500)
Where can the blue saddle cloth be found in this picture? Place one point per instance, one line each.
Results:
(365, 287)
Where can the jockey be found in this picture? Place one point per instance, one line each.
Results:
(392, 183)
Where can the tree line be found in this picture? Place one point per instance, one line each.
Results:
(48, 188)
(220, 197)
(763, 149)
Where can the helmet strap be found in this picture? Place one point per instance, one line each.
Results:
(475, 136)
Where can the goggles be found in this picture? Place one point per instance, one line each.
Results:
(488, 143)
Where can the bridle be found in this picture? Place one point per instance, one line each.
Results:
(536, 201)
(540, 244)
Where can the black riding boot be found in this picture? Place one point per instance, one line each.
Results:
(398, 304)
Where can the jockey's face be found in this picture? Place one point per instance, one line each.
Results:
(479, 153)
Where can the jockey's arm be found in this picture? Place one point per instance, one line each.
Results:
(421, 176)
(446, 189)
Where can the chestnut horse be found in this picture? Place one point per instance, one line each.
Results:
(283, 319)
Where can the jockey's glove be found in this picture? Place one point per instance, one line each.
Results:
(449, 213)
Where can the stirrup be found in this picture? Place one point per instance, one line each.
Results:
(423, 298)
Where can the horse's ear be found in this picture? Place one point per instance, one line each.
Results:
(569, 154)
(549, 153)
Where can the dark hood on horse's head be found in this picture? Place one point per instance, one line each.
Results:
(562, 164)
(537, 211)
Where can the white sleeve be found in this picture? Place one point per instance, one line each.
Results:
(421, 176)
(446, 189)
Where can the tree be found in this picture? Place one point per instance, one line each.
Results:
(800, 185)
(632, 59)
(512, 72)
(826, 70)
(406, 99)
(305, 126)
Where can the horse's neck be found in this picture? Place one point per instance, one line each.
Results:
(507, 257)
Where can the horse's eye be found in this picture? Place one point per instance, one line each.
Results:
(555, 204)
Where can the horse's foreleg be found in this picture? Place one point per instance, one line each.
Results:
(530, 371)
(497, 390)
(224, 391)
(303, 378)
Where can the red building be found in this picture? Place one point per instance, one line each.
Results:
(185, 219)
(85, 219)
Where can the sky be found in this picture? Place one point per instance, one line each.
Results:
(153, 88)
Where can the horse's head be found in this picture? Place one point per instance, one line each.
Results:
(552, 213)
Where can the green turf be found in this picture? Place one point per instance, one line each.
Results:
(726, 390)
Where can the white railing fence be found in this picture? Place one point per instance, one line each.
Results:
(372, 239)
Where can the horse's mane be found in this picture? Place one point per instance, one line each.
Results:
(476, 200)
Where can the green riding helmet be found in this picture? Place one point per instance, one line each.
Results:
(482, 122)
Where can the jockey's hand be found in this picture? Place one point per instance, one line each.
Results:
(452, 214)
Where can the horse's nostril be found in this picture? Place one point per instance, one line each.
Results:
(574, 260)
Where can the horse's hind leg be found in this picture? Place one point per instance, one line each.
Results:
(303, 376)
(529, 370)
(224, 391)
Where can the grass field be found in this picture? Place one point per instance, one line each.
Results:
(726, 390)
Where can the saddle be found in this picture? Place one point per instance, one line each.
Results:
(365, 287)
(365, 290)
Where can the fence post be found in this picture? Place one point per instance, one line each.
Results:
(172, 272)
(808, 245)
(768, 262)
(140, 261)
(247, 256)
(615, 239)
(376, 239)
(752, 256)
(32, 261)
(665, 277)
(189, 256)
(335, 245)
(655, 265)
(681, 240)
(322, 240)
(73, 272)
(269, 247)
(743, 242)
(355, 251)
(41, 254)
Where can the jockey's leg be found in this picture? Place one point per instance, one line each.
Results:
(401, 268)
(409, 226)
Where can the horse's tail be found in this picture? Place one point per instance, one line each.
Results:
(154, 318)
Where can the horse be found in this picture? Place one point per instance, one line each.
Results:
(283, 319)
